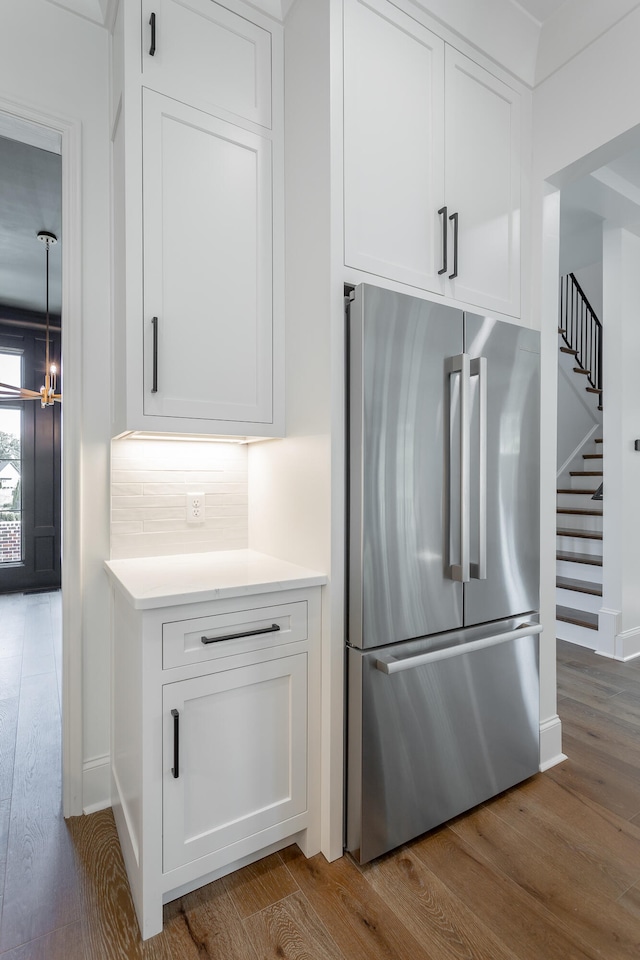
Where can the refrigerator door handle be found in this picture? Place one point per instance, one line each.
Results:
(389, 664)
(479, 370)
(461, 365)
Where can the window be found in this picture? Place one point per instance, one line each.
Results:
(10, 464)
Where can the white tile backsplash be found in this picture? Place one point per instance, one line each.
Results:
(149, 483)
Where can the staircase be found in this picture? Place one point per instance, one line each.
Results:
(579, 515)
(579, 553)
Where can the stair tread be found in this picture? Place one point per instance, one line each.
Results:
(578, 493)
(585, 473)
(598, 440)
(580, 617)
(568, 350)
(593, 389)
(580, 586)
(583, 534)
(572, 557)
(580, 370)
(579, 512)
(592, 456)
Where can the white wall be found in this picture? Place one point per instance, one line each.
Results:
(620, 634)
(57, 63)
(584, 114)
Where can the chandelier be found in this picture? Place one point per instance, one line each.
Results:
(47, 393)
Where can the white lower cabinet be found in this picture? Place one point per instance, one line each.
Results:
(215, 737)
(235, 746)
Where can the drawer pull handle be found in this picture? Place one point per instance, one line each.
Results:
(248, 633)
(175, 769)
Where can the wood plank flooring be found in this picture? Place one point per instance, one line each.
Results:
(547, 871)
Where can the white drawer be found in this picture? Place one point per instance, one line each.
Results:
(227, 634)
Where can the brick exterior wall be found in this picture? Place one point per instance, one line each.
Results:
(10, 541)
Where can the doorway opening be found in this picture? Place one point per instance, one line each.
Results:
(30, 518)
(30, 311)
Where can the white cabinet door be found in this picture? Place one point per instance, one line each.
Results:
(482, 184)
(207, 56)
(207, 266)
(242, 763)
(393, 144)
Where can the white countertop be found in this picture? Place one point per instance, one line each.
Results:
(150, 582)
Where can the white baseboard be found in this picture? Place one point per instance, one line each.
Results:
(96, 784)
(608, 622)
(551, 743)
(627, 644)
(615, 643)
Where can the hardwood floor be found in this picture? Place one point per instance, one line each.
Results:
(547, 871)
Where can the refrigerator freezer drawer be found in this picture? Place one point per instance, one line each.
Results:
(427, 742)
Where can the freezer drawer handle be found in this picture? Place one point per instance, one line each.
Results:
(391, 665)
(235, 636)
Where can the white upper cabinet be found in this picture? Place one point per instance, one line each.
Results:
(207, 266)
(431, 162)
(394, 130)
(482, 184)
(205, 55)
(198, 193)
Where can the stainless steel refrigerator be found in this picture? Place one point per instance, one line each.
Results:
(442, 647)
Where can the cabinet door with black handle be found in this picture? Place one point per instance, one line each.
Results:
(207, 56)
(482, 184)
(242, 758)
(208, 315)
(393, 137)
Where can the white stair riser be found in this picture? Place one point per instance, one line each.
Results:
(575, 634)
(582, 501)
(577, 600)
(579, 571)
(585, 483)
(579, 545)
(577, 522)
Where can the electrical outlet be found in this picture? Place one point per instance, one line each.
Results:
(195, 508)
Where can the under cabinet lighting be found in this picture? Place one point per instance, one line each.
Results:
(189, 437)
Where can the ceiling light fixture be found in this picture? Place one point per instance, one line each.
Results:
(47, 393)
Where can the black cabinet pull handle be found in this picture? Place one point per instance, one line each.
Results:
(152, 24)
(442, 212)
(154, 385)
(175, 769)
(248, 633)
(454, 217)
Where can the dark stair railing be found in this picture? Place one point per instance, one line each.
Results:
(581, 329)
